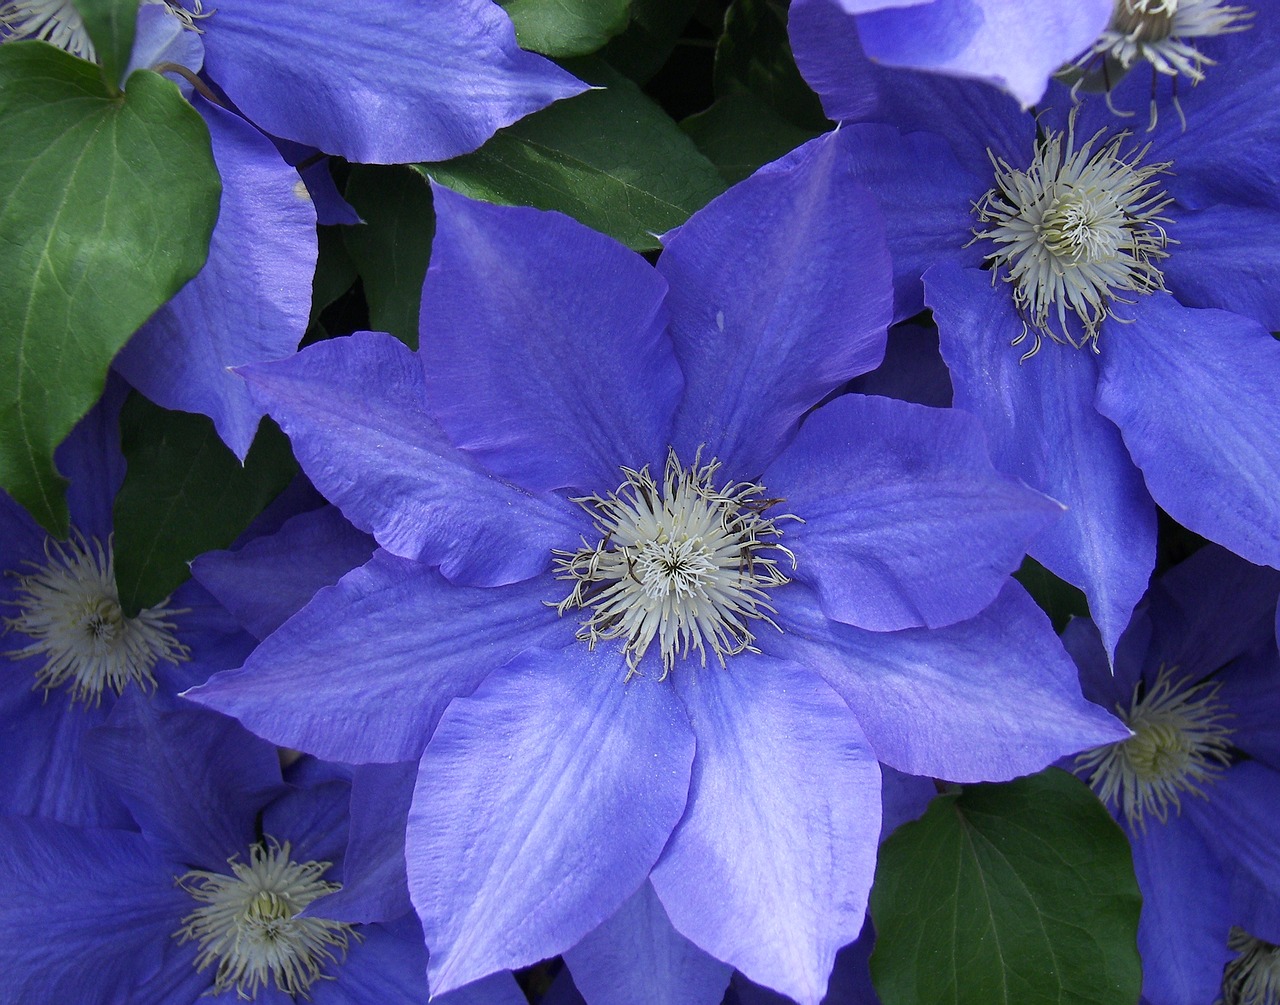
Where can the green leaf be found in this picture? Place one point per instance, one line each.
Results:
(741, 133)
(335, 271)
(111, 25)
(184, 494)
(567, 27)
(641, 50)
(106, 207)
(393, 246)
(1056, 597)
(1013, 894)
(754, 55)
(611, 158)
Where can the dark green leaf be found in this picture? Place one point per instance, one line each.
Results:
(106, 207)
(1056, 597)
(754, 55)
(111, 25)
(567, 27)
(655, 27)
(741, 133)
(1014, 894)
(184, 494)
(335, 271)
(611, 158)
(391, 249)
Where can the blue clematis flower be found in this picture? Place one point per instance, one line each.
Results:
(606, 536)
(1017, 45)
(1197, 787)
(223, 889)
(1104, 301)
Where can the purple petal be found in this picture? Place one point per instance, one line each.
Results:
(386, 965)
(543, 801)
(271, 578)
(637, 956)
(770, 868)
(543, 346)
(1042, 427)
(355, 409)
(363, 672)
(91, 459)
(985, 700)
(913, 369)
(1227, 241)
(396, 83)
(251, 301)
(1194, 394)
(1015, 46)
(906, 523)
(779, 293)
(163, 38)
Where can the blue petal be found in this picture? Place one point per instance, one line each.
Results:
(1227, 258)
(313, 818)
(251, 301)
(384, 83)
(985, 700)
(91, 459)
(543, 346)
(850, 982)
(363, 672)
(771, 866)
(636, 956)
(271, 578)
(779, 293)
(543, 800)
(163, 38)
(1042, 427)
(356, 411)
(906, 523)
(1194, 394)
(913, 369)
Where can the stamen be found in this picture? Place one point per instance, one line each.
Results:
(54, 21)
(70, 608)
(1181, 744)
(250, 928)
(686, 565)
(1253, 977)
(1074, 232)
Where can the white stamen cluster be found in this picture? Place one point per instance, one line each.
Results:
(249, 925)
(1253, 977)
(70, 609)
(1157, 32)
(54, 21)
(1075, 232)
(685, 564)
(1181, 744)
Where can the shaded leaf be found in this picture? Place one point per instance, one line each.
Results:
(567, 27)
(740, 133)
(184, 494)
(655, 27)
(1013, 894)
(1056, 597)
(111, 25)
(106, 208)
(754, 55)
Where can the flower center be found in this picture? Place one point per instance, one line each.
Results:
(1181, 743)
(1074, 233)
(70, 610)
(54, 21)
(688, 564)
(1253, 977)
(249, 925)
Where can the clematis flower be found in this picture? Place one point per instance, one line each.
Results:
(1017, 45)
(1104, 301)
(1197, 786)
(606, 537)
(221, 891)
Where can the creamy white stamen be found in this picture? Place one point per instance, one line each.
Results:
(249, 927)
(70, 609)
(687, 564)
(1159, 32)
(1075, 233)
(1181, 744)
(1253, 977)
(54, 21)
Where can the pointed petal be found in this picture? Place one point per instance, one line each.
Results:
(770, 868)
(779, 293)
(395, 84)
(356, 411)
(363, 672)
(543, 346)
(251, 301)
(1042, 427)
(637, 956)
(543, 800)
(906, 523)
(1194, 394)
(985, 700)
